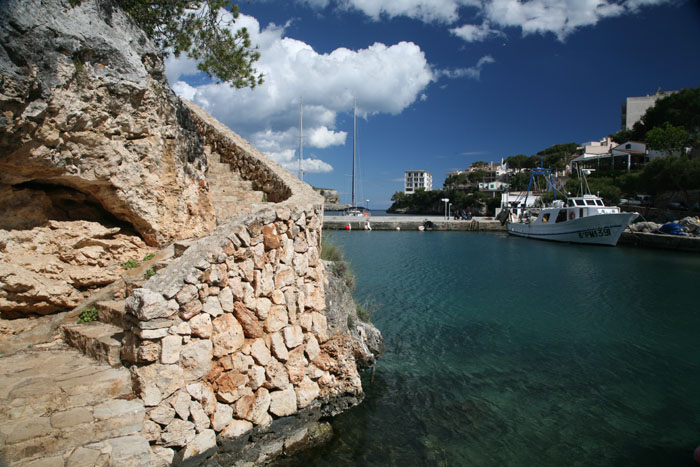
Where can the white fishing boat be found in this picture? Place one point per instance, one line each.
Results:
(582, 219)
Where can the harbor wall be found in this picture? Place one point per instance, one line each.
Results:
(412, 223)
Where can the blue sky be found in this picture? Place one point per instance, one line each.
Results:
(440, 84)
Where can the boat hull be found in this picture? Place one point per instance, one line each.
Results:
(602, 229)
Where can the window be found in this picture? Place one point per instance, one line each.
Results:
(561, 217)
(599, 202)
(590, 202)
(545, 217)
(579, 202)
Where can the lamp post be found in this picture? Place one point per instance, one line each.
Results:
(445, 200)
(367, 201)
(449, 212)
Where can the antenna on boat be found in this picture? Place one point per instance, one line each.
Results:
(301, 137)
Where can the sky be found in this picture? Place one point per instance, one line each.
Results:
(440, 84)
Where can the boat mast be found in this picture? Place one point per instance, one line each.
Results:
(301, 137)
(354, 137)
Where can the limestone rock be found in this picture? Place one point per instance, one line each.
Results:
(178, 433)
(237, 428)
(293, 336)
(201, 448)
(199, 417)
(260, 352)
(251, 327)
(97, 119)
(45, 270)
(222, 417)
(254, 407)
(196, 358)
(227, 335)
(170, 349)
(283, 403)
(307, 392)
(201, 325)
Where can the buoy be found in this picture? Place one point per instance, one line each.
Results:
(421, 228)
(398, 228)
(347, 226)
(696, 455)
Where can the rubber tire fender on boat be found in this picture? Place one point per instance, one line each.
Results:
(571, 215)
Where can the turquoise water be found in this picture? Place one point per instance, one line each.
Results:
(504, 351)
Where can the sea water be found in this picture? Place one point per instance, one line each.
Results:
(504, 351)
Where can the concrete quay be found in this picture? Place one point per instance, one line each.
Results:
(408, 222)
(660, 241)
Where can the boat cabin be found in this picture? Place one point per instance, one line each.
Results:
(575, 208)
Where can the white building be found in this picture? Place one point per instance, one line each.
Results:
(415, 179)
(597, 147)
(636, 107)
(626, 156)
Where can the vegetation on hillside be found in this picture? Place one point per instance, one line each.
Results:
(673, 114)
(198, 29)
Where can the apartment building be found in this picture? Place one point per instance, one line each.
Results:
(415, 179)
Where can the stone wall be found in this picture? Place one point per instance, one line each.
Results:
(231, 340)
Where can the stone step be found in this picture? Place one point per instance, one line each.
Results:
(58, 407)
(233, 191)
(101, 341)
(241, 185)
(111, 312)
(238, 198)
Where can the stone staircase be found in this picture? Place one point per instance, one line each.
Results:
(58, 407)
(230, 194)
(70, 401)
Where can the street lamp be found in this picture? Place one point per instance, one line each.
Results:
(445, 200)
(367, 201)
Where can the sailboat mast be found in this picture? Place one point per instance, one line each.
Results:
(301, 137)
(354, 137)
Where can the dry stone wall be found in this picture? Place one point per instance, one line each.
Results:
(232, 337)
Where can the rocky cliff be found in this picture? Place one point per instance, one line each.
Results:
(89, 128)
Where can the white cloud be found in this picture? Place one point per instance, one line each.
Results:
(472, 33)
(289, 160)
(382, 78)
(425, 10)
(322, 137)
(559, 17)
(473, 72)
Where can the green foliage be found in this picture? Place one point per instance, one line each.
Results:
(519, 161)
(342, 269)
(456, 180)
(198, 29)
(329, 250)
(480, 164)
(477, 176)
(130, 264)
(670, 174)
(150, 272)
(518, 181)
(668, 139)
(362, 313)
(88, 315)
(149, 257)
(557, 156)
(681, 109)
